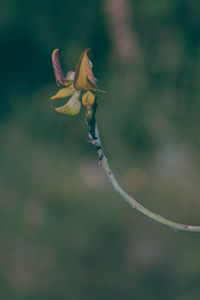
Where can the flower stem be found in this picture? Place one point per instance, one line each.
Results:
(95, 140)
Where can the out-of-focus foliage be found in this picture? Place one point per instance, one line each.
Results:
(64, 233)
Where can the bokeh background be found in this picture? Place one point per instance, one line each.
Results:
(64, 233)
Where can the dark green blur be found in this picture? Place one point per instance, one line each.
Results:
(64, 233)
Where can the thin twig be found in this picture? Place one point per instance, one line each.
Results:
(95, 140)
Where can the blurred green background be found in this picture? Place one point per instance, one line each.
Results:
(64, 233)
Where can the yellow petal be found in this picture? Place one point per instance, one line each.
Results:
(88, 98)
(72, 107)
(84, 78)
(65, 92)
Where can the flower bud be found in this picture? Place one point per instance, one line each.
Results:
(89, 113)
(88, 98)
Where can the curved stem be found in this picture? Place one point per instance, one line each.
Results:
(138, 206)
(95, 140)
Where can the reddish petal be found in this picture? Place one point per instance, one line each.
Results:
(60, 78)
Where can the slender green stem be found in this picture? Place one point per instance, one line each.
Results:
(138, 206)
(95, 140)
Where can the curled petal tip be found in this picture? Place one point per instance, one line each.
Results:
(60, 78)
(72, 107)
